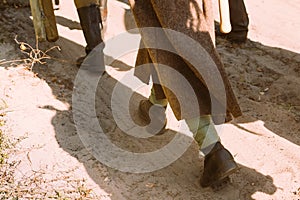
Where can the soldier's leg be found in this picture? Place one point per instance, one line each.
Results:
(91, 23)
(238, 16)
(157, 96)
(218, 162)
(239, 19)
(239, 22)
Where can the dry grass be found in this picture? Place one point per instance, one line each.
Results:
(34, 55)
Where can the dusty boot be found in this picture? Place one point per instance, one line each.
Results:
(159, 116)
(218, 165)
(237, 37)
(90, 20)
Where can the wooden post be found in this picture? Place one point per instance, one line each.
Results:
(49, 20)
(39, 27)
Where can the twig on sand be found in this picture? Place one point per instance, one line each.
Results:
(35, 55)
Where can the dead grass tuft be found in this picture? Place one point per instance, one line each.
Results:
(34, 55)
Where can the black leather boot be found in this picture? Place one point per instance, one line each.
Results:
(91, 23)
(239, 22)
(218, 165)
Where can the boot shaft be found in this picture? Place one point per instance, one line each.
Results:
(91, 23)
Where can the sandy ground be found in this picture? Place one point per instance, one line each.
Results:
(48, 158)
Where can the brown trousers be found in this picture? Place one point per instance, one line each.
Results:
(193, 18)
(85, 3)
(238, 16)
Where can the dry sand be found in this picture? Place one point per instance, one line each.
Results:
(265, 141)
